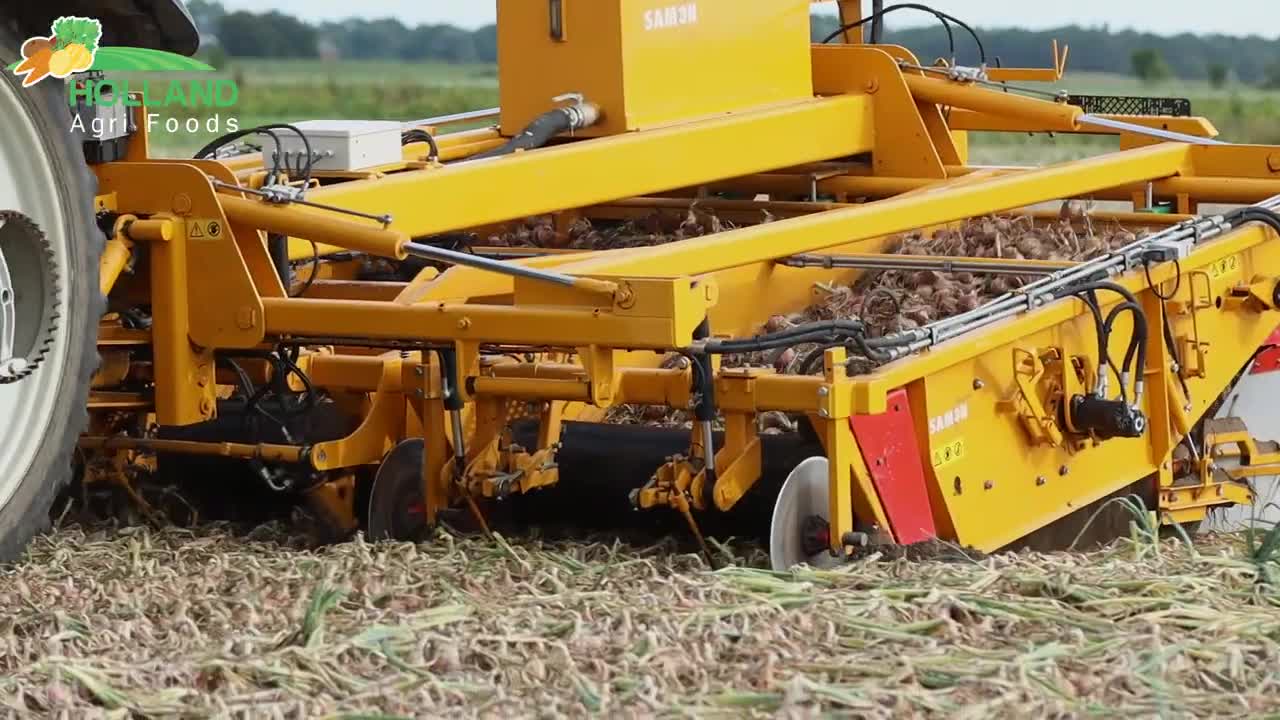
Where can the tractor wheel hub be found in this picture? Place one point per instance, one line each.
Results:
(28, 296)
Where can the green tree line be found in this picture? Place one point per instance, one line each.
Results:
(1217, 58)
(277, 35)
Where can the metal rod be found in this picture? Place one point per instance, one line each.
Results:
(459, 439)
(324, 229)
(1170, 135)
(940, 264)
(1056, 96)
(456, 118)
(453, 257)
(708, 447)
(261, 451)
(278, 199)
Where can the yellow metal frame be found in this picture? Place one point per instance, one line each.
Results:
(599, 342)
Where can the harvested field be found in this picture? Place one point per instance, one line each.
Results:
(161, 623)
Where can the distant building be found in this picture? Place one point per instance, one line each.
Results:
(327, 49)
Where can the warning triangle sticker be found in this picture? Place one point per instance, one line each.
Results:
(194, 231)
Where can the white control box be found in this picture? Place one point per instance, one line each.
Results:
(338, 145)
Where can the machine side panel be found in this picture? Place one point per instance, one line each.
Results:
(727, 56)
(651, 63)
(533, 67)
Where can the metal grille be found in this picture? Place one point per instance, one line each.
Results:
(1124, 105)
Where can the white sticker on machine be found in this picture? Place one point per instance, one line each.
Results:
(671, 16)
(949, 419)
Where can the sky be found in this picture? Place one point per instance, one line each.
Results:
(1165, 17)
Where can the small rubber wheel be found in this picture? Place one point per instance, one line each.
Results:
(49, 248)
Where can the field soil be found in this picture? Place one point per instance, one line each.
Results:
(138, 622)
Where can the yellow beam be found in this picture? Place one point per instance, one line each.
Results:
(948, 93)
(322, 226)
(812, 233)
(588, 172)
(1214, 189)
(443, 322)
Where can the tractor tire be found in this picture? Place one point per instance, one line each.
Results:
(52, 245)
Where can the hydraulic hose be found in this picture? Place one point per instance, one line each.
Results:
(818, 332)
(877, 27)
(546, 127)
(1255, 214)
(705, 411)
(1138, 340)
(420, 135)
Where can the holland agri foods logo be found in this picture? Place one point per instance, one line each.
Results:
(74, 47)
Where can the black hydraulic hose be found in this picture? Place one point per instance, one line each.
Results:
(704, 378)
(1254, 214)
(1265, 216)
(871, 351)
(705, 411)
(536, 135)
(944, 18)
(208, 150)
(1106, 286)
(870, 348)
(290, 362)
(449, 379)
(1100, 325)
(1138, 341)
(798, 335)
(878, 16)
(278, 248)
(420, 135)
(284, 362)
(877, 27)
(809, 362)
(829, 333)
(738, 347)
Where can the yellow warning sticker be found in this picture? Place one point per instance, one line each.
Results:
(1224, 267)
(950, 452)
(204, 229)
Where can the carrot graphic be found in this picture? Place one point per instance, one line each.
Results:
(70, 50)
(36, 53)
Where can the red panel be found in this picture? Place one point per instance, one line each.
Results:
(1268, 360)
(888, 444)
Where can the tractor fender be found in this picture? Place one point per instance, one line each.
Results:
(153, 24)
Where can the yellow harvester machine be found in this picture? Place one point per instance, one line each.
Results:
(321, 313)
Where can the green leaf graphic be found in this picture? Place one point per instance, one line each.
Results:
(130, 59)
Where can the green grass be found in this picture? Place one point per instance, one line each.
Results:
(287, 91)
(363, 72)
